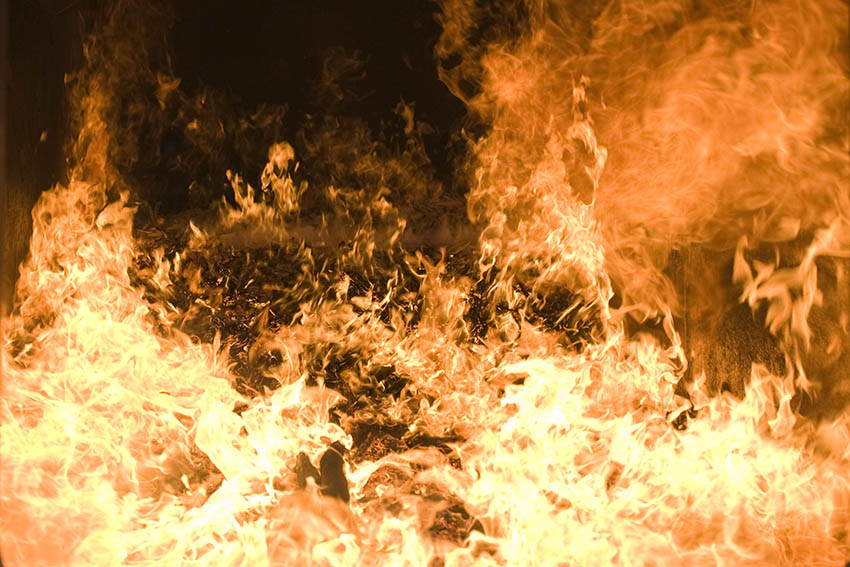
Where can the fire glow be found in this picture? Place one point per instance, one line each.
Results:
(295, 376)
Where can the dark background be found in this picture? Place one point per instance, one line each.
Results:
(41, 43)
(255, 51)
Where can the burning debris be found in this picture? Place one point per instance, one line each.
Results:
(616, 335)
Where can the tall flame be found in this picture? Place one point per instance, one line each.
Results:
(483, 404)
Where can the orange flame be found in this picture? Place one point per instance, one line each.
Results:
(125, 442)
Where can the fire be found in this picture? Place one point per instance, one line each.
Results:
(294, 376)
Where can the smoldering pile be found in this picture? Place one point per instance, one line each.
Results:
(247, 299)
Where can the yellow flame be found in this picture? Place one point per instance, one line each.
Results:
(120, 437)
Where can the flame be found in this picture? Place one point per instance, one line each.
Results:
(484, 404)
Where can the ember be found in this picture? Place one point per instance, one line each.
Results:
(602, 319)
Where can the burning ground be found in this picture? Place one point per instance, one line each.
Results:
(348, 359)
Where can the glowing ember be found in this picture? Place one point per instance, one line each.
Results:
(298, 375)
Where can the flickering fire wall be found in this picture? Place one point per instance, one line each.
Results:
(274, 58)
(511, 283)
